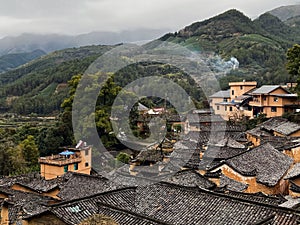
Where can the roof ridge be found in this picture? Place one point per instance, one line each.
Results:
(198, 189)
(132, 213)
(92, 196)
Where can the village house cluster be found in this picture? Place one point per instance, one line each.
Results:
(212, 172)
(245, 99)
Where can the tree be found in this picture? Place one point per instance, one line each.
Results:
(293, 58)
(123, 157)
(30, 152)
(293, 63)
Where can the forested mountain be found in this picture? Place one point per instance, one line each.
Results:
(41, 85)
(11, 61)
(259, 45)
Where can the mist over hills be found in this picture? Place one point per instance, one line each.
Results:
(16, 51)
(51, 42)
(11, 61)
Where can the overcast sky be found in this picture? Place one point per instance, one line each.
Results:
(83, 16)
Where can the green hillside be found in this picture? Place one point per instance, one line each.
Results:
(11, 61)
(41, 85)
(259, 45)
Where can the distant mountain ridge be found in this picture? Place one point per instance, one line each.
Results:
(11, 61)
(286, 12)
(41, 85)
(51, 42)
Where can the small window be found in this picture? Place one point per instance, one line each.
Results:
(230, 108)
(76, 166)
(232, 92)
(225, 100)
(225, 108)
(273, 109)
(265, 98)
(66, 168)
(86, 164)
(241, 87)
(218, 107)
(86, 152)
(275, 99)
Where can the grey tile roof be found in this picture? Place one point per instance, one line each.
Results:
(211, 136)
(224, 149)
(231, 184)
(123, 217)
(25, 178)
(82, 185)
(278, 124)
(256, 197)
(229, 142)
(73, 212)
(221, 94)
(258, 132)
(40, 185)
(178, 205)
(122, 198)
(165, 203)
(281, 143)
(198, 137)
(194, 160)
(294, 172)
(241, 98)
(265, 89)
(209, 165)
(198, 119)
(287, 128)
(186, 144)
(290, 202)
(223, 127)
(266, 162)
(272, 123)
(222, 153)
(118, 204)
(128, 180)
(24, 203)
(190, 178)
